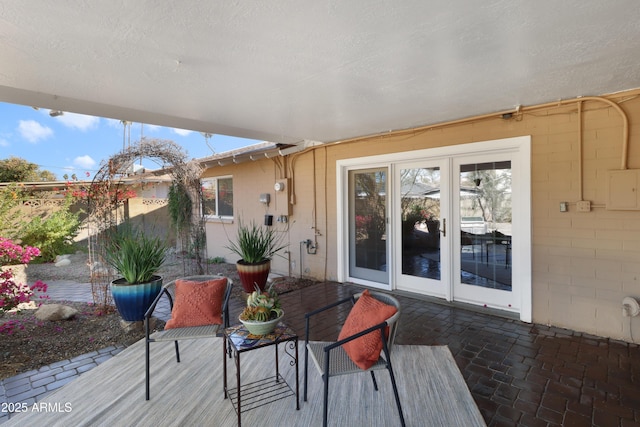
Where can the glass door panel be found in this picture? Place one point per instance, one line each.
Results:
(368, 249)
(484, 209)
(421, 216)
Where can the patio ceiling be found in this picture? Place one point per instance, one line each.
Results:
(315, 70)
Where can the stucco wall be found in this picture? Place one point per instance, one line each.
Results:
(151, 214)
(249, 181)
(583, 263)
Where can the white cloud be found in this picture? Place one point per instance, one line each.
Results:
(181, 132)
(4, 143)
(152, 128)
(114, 123)
(79, 121)
(33, 131)
(84, 162)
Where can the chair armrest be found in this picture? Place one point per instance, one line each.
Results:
(225, 304)
(155, 302)
(327, 349)
(326, 307)
(307, 316)
(152, 307)
(381, 326)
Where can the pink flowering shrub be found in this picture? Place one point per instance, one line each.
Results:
(11, 254)
(11, 293)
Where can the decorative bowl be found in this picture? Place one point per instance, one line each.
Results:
(261, 328)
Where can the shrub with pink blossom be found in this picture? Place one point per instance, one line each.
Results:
(11, 253)
(11, 293)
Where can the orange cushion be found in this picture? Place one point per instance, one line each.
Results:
(366, 312)
(197, 303)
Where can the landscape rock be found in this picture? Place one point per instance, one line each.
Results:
(137, 326)
(63, 262)
(61, 257)
(55, 312)
(19, 272)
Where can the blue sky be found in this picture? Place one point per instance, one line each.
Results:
(77, 144)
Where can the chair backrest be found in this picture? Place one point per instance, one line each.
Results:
(392, 321)
(170, 288)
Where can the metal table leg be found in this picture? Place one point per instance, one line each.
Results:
(237, 359)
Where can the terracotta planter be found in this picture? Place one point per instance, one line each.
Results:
(251, 274)
(133, 301)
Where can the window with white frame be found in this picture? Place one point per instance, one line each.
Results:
(217, 197)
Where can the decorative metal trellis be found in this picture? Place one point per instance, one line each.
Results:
(108, 207)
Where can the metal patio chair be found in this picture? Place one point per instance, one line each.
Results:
(332, 360)
(183, 333)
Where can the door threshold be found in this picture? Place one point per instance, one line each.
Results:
(461, 305)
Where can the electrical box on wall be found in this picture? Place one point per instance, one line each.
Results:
(583, 206)
(282, 197)
(623, 190)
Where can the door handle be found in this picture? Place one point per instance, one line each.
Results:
(444, 227)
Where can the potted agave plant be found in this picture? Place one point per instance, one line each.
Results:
(263, 312)
(255, 245)
(137, 256)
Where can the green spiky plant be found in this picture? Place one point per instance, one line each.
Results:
(136, 255)
(255, 243)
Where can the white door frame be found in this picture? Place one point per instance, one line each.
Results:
(520, 147)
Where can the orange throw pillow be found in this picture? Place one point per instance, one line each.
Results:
(366, 312)
(197, 303)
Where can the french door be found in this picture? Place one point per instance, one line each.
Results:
(455, 221)
(451, 222)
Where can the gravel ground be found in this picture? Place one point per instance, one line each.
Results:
(26, 343)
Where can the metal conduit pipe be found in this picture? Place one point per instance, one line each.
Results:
(304, 242)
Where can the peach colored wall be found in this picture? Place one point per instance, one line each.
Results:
(583, 263)
(249, 181)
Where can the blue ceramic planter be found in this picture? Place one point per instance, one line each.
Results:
(133, 301)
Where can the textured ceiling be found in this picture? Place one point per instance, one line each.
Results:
(287, 71)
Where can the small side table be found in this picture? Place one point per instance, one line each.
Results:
(237, 340)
